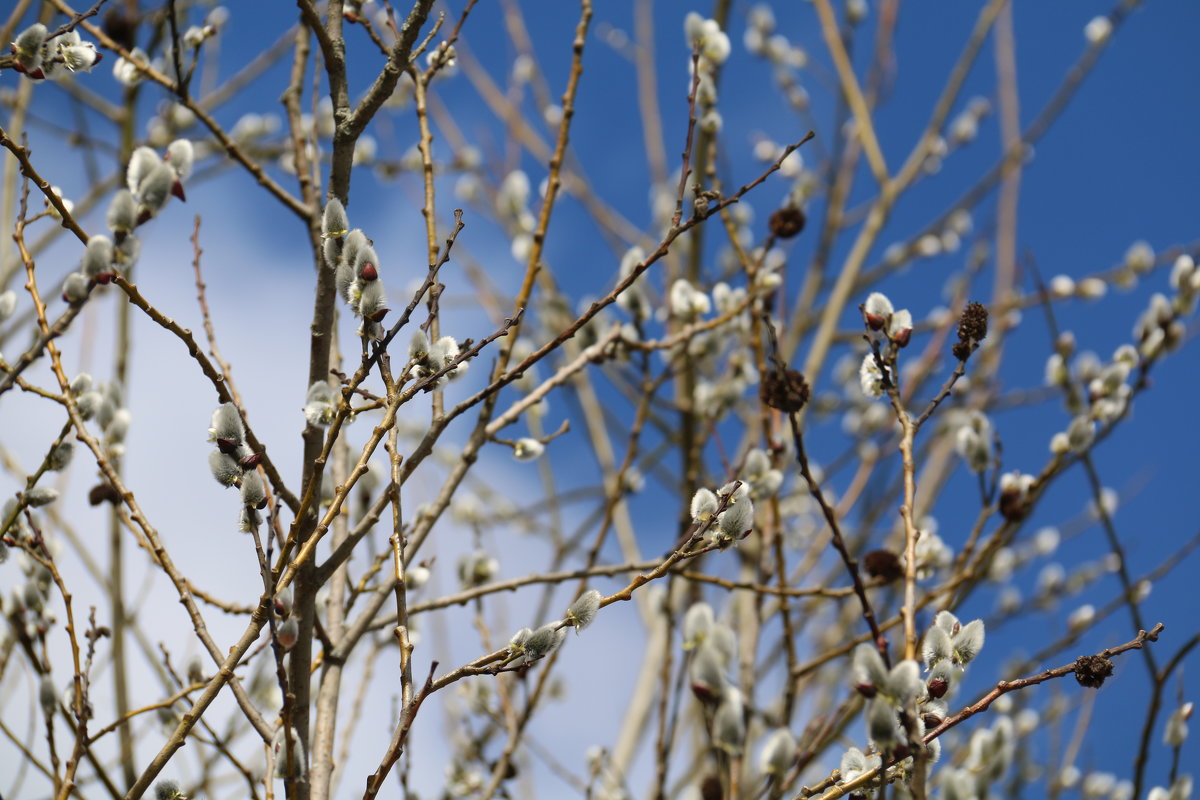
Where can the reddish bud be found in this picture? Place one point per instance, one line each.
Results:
(368, 272)
(937, 687)
(177, 190)
(227, 446)
(379, 315)
(249, 462)
(902, 336)
(867, 690)
(874, 321)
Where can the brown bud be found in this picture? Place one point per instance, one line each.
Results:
(961, 350)
(251, 461)
(867, 690)
(874, 321)
(368, 272)
(787, 222)
(121, 27)
(1091, 671)
(379, 315)
(102, 492)
(931, 721)
(710, 788)
(177, 190)
(785, 391)
(104, 278)
(902, 336)
(883, 564)
(1014, 505)
(937, 687)
(227, 446)
(973, 324)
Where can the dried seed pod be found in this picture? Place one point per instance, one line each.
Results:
(787, 222)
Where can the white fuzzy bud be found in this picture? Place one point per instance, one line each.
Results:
(583, 611)
(224, 468)
(226, 424)
(778, 753)
(335, 223)
(121, 217)
(1176, 731)
(528, 449)
(40, 496)
(697, 624)
(1097, 30)
(870, 377)
(154, 189)
(98, 256)
(253, 490)
(320, 405)
(704, 505)
(729, 723)
(48, 696)
(968, 641)
(737, 519)
(180, 157)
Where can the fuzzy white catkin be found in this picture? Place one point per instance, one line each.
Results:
(180, 156)
(334, 222)
(40, 496)
(224, 468)
(253, 489)
(778, 752)
(528, 449)
(704, 504)
(583, 611)
(737, 518)
(697, 623)
(1176, 731)
(729, 723)
(226, 424)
